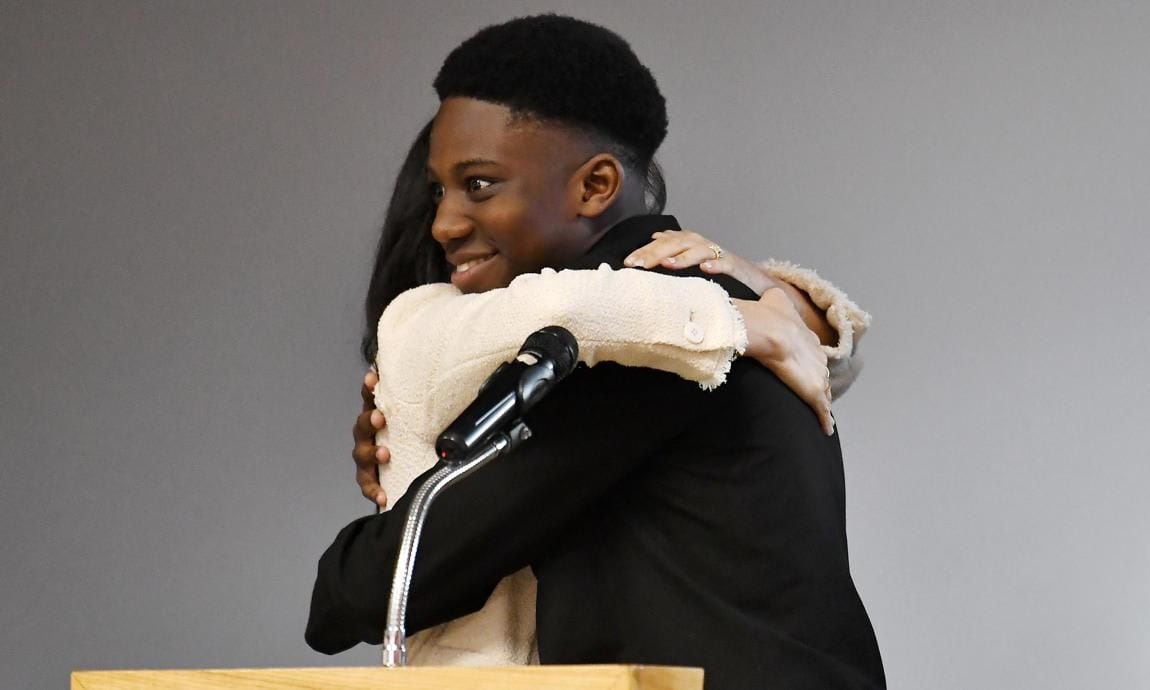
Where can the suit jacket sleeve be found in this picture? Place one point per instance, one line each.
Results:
(500, 519)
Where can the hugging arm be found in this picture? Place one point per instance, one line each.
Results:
(826, 310)
(438, 347)
(471, 541)
(644, 326)
(688, 327)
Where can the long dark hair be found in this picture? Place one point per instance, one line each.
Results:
(407, 256)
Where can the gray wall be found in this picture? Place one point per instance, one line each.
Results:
(190, 193)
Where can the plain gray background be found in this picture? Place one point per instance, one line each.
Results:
(189, 201)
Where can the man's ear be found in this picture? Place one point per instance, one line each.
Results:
(597, 184)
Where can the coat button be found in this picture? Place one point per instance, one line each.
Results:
(693, 332)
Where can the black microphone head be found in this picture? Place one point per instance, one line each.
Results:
(556, 344)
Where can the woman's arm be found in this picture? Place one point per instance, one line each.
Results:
(438, 345)
(826, 310)
(435, 340)
(677, 249)
(776, 334)
(846, 319)
(685, 326)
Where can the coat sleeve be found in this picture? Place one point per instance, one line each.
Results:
(687, 327)
(437, 346)
(843, 315)
(591, 433)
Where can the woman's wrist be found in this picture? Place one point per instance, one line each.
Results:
(759, 344)
(763, 282)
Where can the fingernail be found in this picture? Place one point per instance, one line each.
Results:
(381, 455)
(377, 419)
(706, 265)
(628, 261)
(671, 260)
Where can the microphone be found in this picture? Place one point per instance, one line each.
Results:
(547, 356)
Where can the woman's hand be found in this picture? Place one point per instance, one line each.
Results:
(368, 456)
(685, 248)
(779, 336)
(779, 340)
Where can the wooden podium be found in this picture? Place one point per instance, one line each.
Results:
(411, 678)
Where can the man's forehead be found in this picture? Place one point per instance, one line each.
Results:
(467, 129)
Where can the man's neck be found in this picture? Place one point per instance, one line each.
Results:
(622, 238)
(626, 206)
(631, 202)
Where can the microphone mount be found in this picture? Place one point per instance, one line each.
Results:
(395, 636)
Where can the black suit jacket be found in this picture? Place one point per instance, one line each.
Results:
(665, 524)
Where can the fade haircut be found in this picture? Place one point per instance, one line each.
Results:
(563, 70)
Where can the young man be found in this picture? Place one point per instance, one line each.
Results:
(665, 525)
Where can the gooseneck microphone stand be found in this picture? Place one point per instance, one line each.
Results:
(490, 427)
(394, 636)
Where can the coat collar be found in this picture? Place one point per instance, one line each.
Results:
(622, 239)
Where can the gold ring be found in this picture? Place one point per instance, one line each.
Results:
(717, 250)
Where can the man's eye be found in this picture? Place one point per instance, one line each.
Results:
(477, 184)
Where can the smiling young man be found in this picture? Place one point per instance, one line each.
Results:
(665, 525)
(515, 195)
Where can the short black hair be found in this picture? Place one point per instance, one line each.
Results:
(562, 69)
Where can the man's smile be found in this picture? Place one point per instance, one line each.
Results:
(469, 270)
(470, 263)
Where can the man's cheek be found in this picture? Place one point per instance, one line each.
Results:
(504, 274)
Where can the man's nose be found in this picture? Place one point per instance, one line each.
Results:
(450, 222)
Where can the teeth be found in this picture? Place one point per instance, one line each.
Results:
(468, 265)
